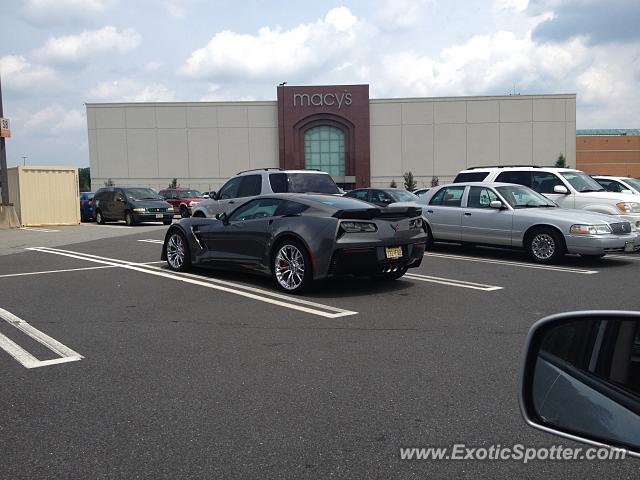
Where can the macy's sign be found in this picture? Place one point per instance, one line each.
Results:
(322, 99)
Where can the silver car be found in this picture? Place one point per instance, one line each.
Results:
(510, 215)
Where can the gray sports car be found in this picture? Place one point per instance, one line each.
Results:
(298, 238)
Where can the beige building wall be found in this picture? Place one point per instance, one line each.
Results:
(202, 144)
(441, 136)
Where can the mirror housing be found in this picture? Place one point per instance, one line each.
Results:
(223, 217)
(580, 378)
(497, 204)
(561, 189)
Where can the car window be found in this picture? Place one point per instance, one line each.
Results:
(288, 207)
(519, 177)
(188, 194)
(523, 197)
(448, 197)
(250, 186)
(380, 196)
(611, 185)
(359, 194)
(481, 197)
(543, 182)
(582, 182)
(403, 196)
(140, 194)
(255, 209)
(230, 189)
(634, 182)
(470, 177)
(278, 182)
(311, 183)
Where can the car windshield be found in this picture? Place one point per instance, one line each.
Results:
(633, 182)
(190, 194)
(582, 182)
(311, 183)
(402, 196)
(141, 194)
(523, 197)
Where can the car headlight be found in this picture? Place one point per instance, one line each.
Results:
(628, 207)
(590, 229)
(139, 210)
(169, 209)
(415, 223)
(357, 227)
(192, 203)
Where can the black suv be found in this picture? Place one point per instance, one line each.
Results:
(132, 205)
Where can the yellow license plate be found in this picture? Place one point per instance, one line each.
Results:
(393, 252)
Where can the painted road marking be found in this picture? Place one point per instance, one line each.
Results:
(452, 282)
(24, 357)
(151, 240)
(624, 257)
(266, 296)
(514, 264)
(33, 229)
(22, 274)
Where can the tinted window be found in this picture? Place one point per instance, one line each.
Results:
(403, 196)
(359, 194)
(140, 194)
(470, 177)
(278, 182)
(229, 189)
(521, 178)
(611, 185)
(379, 196)
(256, 209)
(311, 183)
(480, 197)
(290, 208)
(543, 182)
(448, 197)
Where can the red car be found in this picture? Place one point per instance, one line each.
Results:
(182, 199)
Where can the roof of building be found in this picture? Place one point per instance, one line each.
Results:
(608, 131)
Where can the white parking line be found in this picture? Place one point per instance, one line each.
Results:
(266, 296)
(625, 257)
(34, 229)
(24, 357)
(22, 274)
(513, 264)
(452, 282)
(151, 240)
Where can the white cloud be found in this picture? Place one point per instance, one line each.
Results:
(82, 47)
(400, 15)
(274, 52)
(18, 73)
(127, 90)
(55, 119)
(43, 12)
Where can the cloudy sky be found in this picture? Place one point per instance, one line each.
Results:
(55, 55)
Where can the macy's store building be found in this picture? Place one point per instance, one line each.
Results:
(335, 128)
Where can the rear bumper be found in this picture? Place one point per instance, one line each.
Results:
(601, 244)
(370, 260)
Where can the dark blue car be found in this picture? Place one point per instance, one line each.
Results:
(86, 206)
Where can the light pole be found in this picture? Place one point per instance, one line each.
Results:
(3, 162)
(24, 161)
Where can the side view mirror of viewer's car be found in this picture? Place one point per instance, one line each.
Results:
(581, 378)
(561, 189)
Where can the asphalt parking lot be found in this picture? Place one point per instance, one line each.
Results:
(219, 375)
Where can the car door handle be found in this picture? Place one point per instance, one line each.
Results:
(467, 214)
(231, 202)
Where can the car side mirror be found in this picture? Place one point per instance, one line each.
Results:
(497, 204)
(120, 199)
(213, 195)
(223, 217)
(561, 189)
(581, 378)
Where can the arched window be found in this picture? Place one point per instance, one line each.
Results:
(324, 150)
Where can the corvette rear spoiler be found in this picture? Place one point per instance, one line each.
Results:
(395, 213)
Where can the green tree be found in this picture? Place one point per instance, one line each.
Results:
(409, 182)
(561, 162)
(84, 179)
(174, 183)
(435, 181)
(393, 184)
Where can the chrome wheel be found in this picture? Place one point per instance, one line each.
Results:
(175, 251)
(289, 267)
(543, 246)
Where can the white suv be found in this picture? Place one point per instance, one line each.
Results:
(263, 181)
(619, 184)
(567, 187)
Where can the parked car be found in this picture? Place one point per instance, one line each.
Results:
(421, 191)
(567, 187)
(581, 378)
(208, 194)
(619, 184)
(382, 197)
(298, 238)
(132, 205)
(511, 215)
(86, 206)
(264, 181)
(182, 199)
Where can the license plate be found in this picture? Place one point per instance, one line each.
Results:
(159, 215)
(629, 246)
(393, 252)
